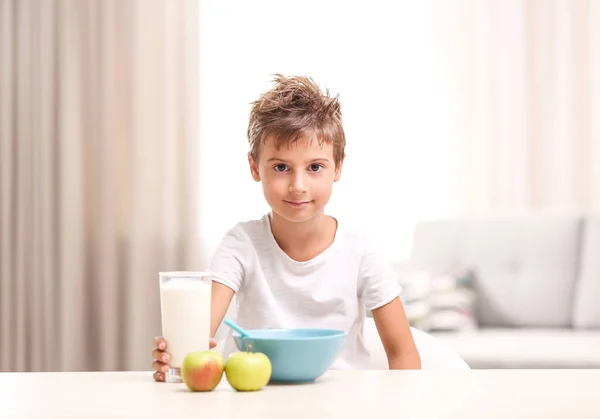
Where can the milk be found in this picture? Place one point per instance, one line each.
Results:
(185, 311)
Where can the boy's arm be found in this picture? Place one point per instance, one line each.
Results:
(396, 336)
(220, 299)
(227, 268)
(379, 290)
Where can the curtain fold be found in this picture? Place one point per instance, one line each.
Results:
(98, 183)
(529, 77)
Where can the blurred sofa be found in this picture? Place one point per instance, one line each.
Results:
(535, 283)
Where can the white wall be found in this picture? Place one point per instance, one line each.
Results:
(386, 62)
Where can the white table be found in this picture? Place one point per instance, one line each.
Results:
(344, 394)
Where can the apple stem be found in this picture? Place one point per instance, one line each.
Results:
(248, 348)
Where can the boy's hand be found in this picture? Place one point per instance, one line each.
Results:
(161, 357)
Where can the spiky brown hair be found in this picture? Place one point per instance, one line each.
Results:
(293, 108)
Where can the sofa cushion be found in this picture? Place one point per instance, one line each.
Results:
(439, 301)
(526, 348)
(526, 266)
(586, 313)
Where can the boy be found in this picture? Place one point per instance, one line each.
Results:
(296, 267)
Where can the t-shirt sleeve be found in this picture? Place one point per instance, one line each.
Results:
(229, 261)
(378, 283)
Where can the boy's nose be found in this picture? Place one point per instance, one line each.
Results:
(298, 184)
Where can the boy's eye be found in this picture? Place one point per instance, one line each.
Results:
(315, 167)
(280, 167)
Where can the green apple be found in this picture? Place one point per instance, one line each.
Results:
(202, 371)
(248, 371)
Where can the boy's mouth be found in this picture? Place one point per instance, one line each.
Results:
(297, 204)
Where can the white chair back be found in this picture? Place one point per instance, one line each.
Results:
(435, 355)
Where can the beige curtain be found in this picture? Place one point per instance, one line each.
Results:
(529, 104)
(97, 177)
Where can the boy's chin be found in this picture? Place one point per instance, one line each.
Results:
(297, 216)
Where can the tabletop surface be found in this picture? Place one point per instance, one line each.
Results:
(369, 394)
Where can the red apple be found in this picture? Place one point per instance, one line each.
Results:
(202, 371)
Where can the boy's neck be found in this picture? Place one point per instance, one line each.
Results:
(306, 240)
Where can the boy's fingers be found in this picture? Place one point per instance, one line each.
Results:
(160, 343)
(160, 367)
(159, 376)
(212, 343)
(161, 356)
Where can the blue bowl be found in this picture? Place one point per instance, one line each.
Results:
(297, 355)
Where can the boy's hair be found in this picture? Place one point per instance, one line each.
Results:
(296, 106)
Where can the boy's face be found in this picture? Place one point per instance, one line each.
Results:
(297, 179)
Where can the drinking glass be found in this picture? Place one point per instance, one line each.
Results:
(185, 316)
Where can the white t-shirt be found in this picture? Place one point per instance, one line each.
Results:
(332, 290)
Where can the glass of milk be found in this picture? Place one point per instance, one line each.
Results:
(185, 315)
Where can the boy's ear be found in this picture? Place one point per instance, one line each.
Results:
(338, 169)
(253, 168)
